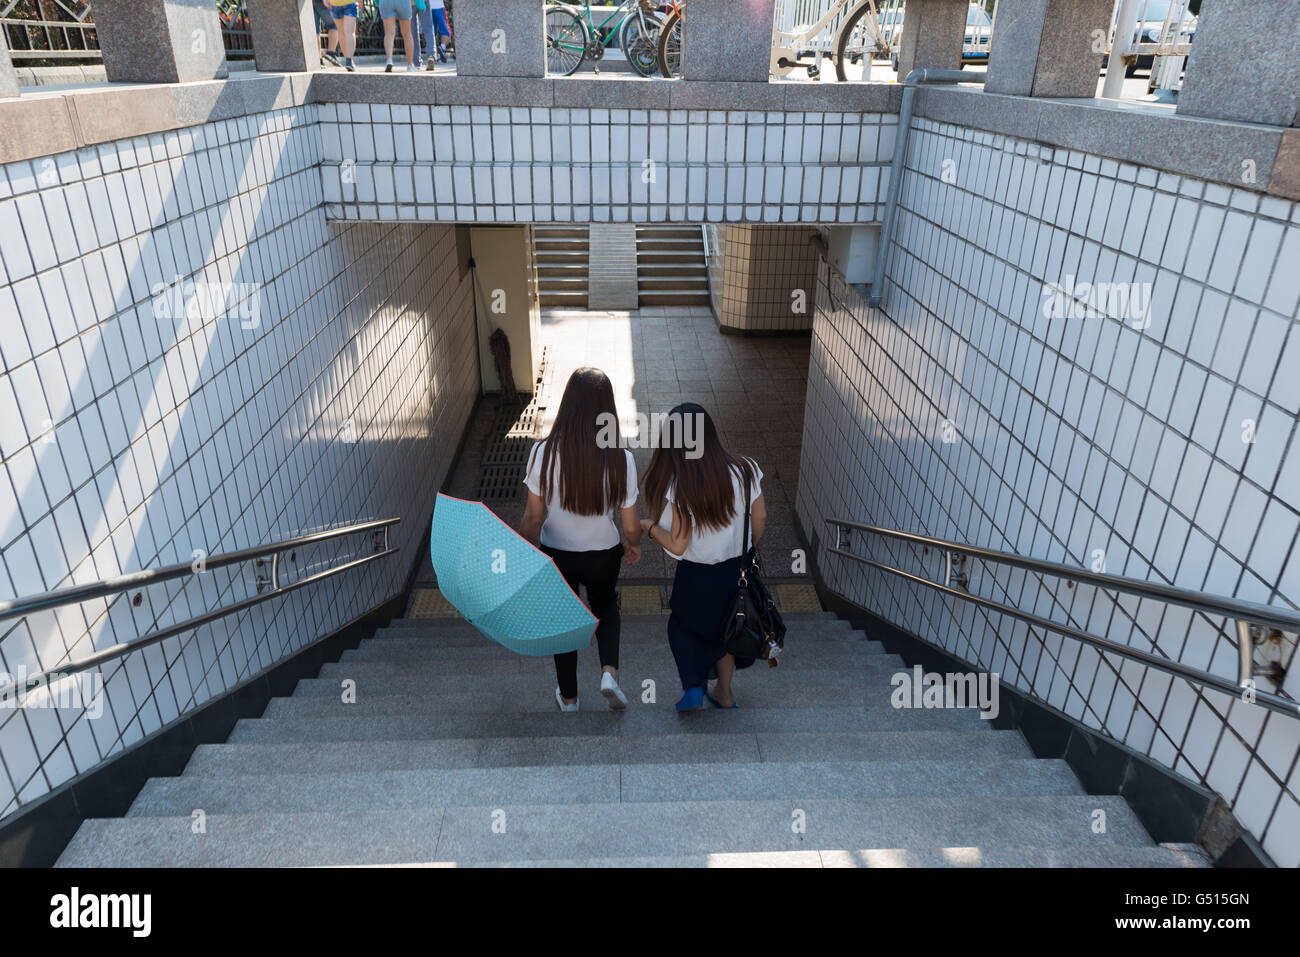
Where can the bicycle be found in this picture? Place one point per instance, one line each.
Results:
(860, 36)
(572, 36)
(668, 51)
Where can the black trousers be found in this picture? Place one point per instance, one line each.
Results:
(598, 571)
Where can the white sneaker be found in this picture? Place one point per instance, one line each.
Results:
(567, 708)
(614, 696)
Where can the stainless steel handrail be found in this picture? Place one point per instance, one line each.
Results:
(112, 586)
(1245, 613)
(18, 607)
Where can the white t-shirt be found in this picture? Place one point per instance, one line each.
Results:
(710, 546)
(565, 530)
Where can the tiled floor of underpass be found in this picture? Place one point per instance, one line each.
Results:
(658, 357)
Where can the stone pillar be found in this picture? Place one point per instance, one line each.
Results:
(500, 38)
(284, 35)
(1048, 47)
(1244, 64)
(728, 40)
(8, 78)
(933, 31)
(160, 41)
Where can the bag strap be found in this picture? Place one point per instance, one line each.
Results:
(744, 535)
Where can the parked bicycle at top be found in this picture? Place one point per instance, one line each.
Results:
(573, 36)
(859, 34)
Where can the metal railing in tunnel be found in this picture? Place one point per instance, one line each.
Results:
(267, 583)
(1255, 622)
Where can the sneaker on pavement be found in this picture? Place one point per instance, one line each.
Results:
(614, 696)
(566, 708)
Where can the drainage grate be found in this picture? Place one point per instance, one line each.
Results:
(514, 430)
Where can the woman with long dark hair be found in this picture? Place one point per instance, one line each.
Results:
(578, 477)
(695, 491)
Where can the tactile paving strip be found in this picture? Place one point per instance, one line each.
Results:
(641, 600)
(429, 603)
(796, 598)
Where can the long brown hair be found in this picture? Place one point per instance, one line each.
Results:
(702, 489)
(592, 474)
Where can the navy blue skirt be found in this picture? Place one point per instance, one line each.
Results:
(701, 599)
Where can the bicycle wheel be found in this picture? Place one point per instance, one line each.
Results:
(639, 41)
(670, 45)
(566, 42)
(856, 43)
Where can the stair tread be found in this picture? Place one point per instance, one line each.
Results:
(613, 830)
(952, 746)
(608, 783)
(634, 721)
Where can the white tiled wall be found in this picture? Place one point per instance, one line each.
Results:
(1078, 437)
(132, 435)
(501, 164)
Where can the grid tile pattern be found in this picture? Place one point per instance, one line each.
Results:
(1159, 444)
(533, 164)
(764, 278)
(202, 364)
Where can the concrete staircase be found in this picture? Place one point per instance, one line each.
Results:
(454, 752)
(563, 263)
(671, 266)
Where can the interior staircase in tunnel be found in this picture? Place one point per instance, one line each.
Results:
(453, 752)
(670, 263)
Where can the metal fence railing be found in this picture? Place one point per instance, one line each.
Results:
(62, 32)
(49, 32)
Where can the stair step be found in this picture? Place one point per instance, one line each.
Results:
(414, 726)
(683, 284)
(421, 647)
(1163, 856)
(656, 269)
(857, 670)
(611, 831)
(811, 689)
(674, 299)
(797, 622)
(374, 698)
(948, 747)
(611, 783)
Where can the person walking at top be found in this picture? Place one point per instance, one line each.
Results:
(325, 24)
(397, 13)
(432, 22)
(345, 19)
(695, 493)
(581, 489)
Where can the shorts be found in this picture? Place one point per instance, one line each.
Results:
(324, 19)
(440, 22)
(401, 9)
(347, 10)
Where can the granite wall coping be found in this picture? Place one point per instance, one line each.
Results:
(46, 122)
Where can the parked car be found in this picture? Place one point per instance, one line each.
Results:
(975, 45)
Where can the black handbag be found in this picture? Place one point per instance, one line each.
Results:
(754, 627)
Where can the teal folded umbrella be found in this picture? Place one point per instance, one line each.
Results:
(504, 587)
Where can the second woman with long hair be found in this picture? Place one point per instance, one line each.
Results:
(695, 491)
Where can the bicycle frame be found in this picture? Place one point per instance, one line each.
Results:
(621, 13)
(788, 44)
